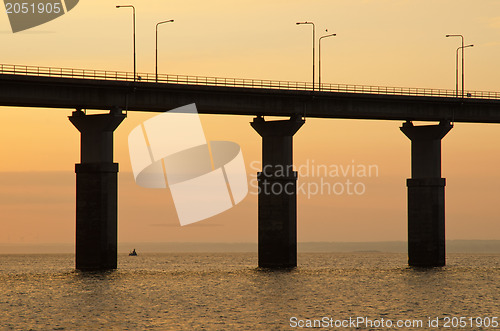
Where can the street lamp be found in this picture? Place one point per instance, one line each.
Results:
(319, 55)
(461, 36)
(314, 38)
(133, 8)
(462, 48)
(156, 56)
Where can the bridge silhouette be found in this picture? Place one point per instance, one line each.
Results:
(116, 92)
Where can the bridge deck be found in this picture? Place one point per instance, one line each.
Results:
(23, 86)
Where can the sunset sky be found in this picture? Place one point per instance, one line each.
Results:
(378, 42)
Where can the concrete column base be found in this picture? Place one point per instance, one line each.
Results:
(96, 221)
(277, 221)
(426, 222)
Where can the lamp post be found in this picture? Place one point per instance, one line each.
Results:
(461, 36)
(319, 55)
(135, 62)
(156, 54)
(462, 48)
(313, 39)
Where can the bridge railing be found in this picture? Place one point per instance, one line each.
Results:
(235, 82)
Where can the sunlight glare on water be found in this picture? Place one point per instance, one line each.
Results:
(226, 291)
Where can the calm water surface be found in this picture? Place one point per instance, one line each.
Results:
(185, 291)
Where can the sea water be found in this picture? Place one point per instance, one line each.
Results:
(225, 291)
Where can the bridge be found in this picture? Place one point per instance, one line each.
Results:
(121, 92)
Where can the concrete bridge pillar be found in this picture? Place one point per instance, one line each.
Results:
(426, 213)
(96, 191)
(277, 211)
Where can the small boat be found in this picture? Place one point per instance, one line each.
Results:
(133, 253)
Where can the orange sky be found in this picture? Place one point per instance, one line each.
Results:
(386, 42)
